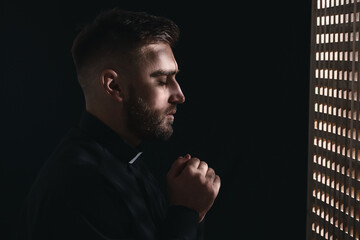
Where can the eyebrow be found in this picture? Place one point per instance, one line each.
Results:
(160, 72)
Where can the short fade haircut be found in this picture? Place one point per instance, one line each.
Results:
(115, 34)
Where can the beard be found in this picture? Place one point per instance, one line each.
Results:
(147, 123)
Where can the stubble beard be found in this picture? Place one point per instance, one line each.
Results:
(146, 123)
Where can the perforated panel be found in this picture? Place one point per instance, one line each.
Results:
(334, 146)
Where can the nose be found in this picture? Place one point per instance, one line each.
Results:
(177, 96)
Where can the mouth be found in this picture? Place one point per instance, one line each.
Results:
(171, 111)
(171, 114)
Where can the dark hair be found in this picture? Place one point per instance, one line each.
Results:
(116, 33)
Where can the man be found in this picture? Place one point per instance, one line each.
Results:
(95, 185)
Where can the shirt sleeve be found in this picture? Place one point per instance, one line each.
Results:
(181, 223)
(111, 219)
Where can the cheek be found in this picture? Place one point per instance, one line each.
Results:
(158, 99)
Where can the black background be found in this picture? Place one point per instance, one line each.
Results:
(245, 75)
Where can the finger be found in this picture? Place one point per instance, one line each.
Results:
(178, 166)
(193, 163)
(203, 167)
(217, 182)
(210, 174)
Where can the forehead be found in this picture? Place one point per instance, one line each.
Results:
(158, 56)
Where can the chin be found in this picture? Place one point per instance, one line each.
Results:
(164, 133)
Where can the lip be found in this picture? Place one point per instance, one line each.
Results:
(170, 117)
(172, 112)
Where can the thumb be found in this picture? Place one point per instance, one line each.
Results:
(178, 166)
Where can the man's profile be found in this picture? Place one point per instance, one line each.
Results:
(95, 185)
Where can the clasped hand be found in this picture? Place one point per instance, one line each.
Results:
(191, 183)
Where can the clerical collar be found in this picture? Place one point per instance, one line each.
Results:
(108, 138)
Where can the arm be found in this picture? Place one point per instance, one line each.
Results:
(89, 208)
(180, 223)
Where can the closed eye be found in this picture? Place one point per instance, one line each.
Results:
(162, 83)
(164, 78)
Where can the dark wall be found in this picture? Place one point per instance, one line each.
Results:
(245, 74)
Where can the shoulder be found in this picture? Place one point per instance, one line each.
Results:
(75, 182)
(75, 164)
(77, 148)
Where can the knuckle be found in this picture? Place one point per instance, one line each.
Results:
(196, 176)
(190, 171)
(195, 160)
(204, 163)
(211, 170)
(210, 173)
(218, 179)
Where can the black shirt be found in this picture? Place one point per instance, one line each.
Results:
(95, 186)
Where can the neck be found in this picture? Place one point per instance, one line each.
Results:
(117, 123)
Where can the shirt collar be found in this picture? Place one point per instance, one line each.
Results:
(108, 138)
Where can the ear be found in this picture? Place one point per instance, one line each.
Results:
(111, 83)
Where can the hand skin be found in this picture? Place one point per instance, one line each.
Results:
(191, 183)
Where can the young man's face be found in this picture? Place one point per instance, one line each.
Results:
(153, 93)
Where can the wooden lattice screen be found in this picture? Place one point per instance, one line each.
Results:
(334, 132)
